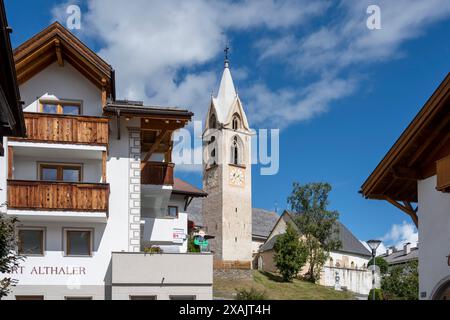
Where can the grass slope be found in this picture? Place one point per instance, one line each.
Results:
(275, 289)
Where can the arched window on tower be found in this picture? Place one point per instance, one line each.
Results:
(236, 122)
(236, 151)
(212, 121)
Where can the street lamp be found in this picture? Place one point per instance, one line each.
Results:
(373, 244)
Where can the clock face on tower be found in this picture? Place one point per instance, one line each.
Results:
(237, 177)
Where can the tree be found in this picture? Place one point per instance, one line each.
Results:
(402, 282)
(290, 254)
(317, 225)
(381, 263)
(9, 260)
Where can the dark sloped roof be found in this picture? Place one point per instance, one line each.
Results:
(350, 244)
(400, 256)
(263, 221)
(269, 244)
(182, 187)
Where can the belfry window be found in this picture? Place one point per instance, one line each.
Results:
(213, 121)
(236, 152)
(236, 122)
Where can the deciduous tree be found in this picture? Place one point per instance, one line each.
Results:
(290, 254)
(9, 260)
(317, 225)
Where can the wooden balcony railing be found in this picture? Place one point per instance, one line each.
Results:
(443, 174)
(157, 173)
(57, 196)
(56, 128)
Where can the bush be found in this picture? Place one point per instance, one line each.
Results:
(381, 263)
(378, 294)
(192, 247)
(252, 294)
(402, 282)
(153, 250)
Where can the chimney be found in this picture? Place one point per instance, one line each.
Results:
(407, 248)
(389, 251)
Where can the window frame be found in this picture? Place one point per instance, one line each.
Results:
(142, 297)
(43, 241)
(66, 242)
(29, 297)
(181, 296)
(172, 207)
(60, 105)
(81, 298)
(59, 166)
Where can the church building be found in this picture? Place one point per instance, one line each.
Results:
(227, 211)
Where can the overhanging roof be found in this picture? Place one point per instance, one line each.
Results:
(413, 157)
(11, 115)
(138, 110)
(57, 44)
(183, 188)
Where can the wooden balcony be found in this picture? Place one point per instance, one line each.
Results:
(57, 196)
(57, 128)
(157, 173)
(443, 174)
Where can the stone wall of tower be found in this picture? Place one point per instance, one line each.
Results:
(237, 206)
(212, 211)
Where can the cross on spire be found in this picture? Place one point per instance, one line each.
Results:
(227, 51)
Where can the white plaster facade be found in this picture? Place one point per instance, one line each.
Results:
(122, 229)
(434, 238)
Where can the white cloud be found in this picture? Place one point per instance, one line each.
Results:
(400, 234)
(161, 49)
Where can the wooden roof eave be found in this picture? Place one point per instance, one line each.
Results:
(41, 50)
(433, 106)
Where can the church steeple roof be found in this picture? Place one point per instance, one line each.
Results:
(227, 92)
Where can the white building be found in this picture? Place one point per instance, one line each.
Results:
(92, 184)
(349, 263)
(417, 170)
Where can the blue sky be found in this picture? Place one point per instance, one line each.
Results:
(341, 94)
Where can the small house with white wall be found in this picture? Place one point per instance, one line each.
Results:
(349, 262)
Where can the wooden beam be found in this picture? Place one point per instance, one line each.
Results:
(59, 53)
(104, 92)
(407, 208)
(10, 162)
(104, 159)
(155, 146)
(405, 173)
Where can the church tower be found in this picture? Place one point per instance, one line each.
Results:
(227, 211)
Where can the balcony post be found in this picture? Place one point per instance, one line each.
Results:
(10, 162)
(104, 158)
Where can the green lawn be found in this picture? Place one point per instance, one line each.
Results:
(275, 289)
